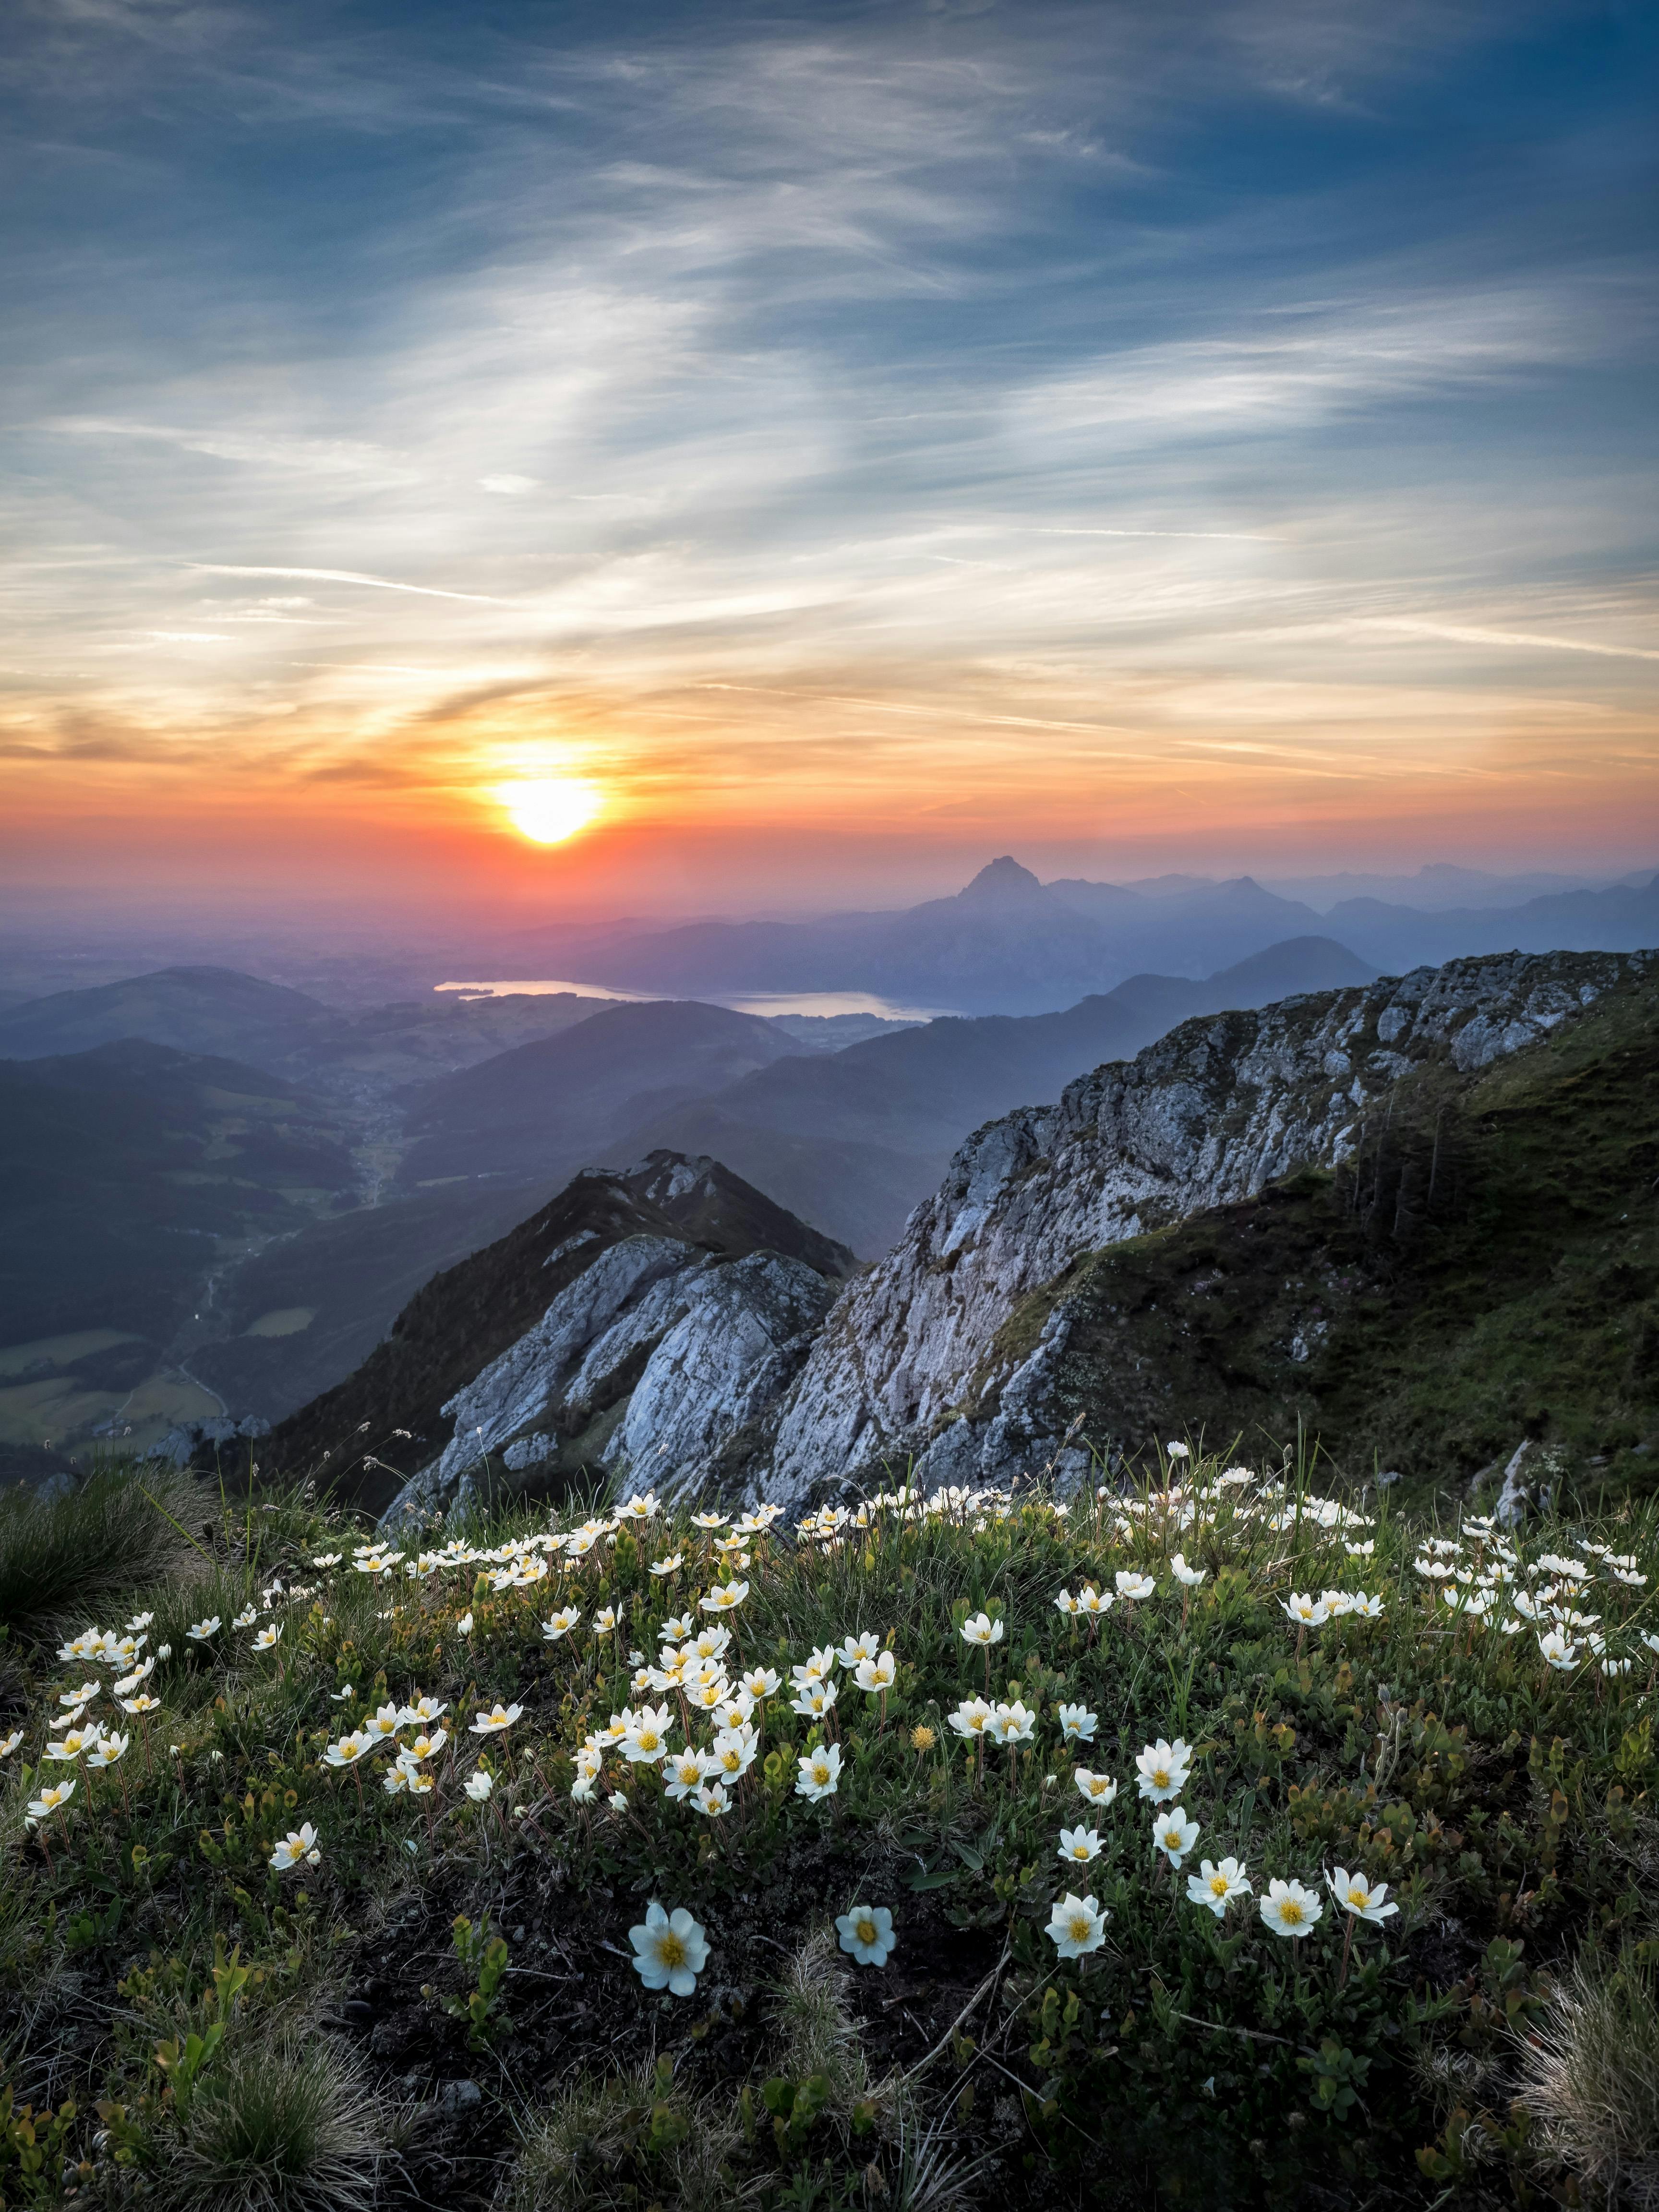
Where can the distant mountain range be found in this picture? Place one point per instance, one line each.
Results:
(1009, 944)
(267, 1025)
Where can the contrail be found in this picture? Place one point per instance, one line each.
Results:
(1464, 634)
(344, 576)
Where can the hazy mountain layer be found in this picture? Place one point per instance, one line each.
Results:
(542, 1109)
(1008, 943)
(116, 1163)
(856, 1139)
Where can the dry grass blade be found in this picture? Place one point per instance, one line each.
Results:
(1591, 2078)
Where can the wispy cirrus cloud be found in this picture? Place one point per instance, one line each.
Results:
(914, 393)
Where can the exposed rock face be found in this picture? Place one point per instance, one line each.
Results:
(713, 1344)
(648, 1339)
(913, 1360)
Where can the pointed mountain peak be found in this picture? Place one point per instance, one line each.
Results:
(1005, 884)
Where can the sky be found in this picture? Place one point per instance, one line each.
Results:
(826, 445)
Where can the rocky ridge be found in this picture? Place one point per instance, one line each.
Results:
(914, 1365)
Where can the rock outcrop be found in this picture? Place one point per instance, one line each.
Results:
(673, 1278)
(915, 1366)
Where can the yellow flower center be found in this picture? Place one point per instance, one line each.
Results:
(1078, 1928)
(820, 1770)
(865, 1931)
(1161, 1776)
(1217, 1885)
(669, 1950)
(1080, 1850)
(1291, 1913)
(1360, 1896)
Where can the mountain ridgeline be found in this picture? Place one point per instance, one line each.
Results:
(1415, 1217)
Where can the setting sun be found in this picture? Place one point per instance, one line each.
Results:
(551, 808)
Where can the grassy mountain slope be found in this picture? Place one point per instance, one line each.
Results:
(1486, 1270)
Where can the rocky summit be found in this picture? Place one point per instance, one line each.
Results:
(643, 1322)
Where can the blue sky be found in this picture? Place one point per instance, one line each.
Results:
(1214, 433)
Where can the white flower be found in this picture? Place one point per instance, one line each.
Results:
(761, 1683)
(269, 1638)
(497, 1718)
(1361, 1551)
(1132, 1586)
(11, 1743)
(1098, 1789)
(972, 1718)
(1178, 1451)
(82, 1697)
(1363, 1608)
(1289, 1909)
(1616, 1666)
(710, 1800)
(875, 1674)
(1078, 1724)
(478, 1785)
(1173, 1835)
(199, 1631)
(1561, 1653)
(856, 1648)
(1077, 1926)
(299, 1844)
(1191, 1576)
(1361, 1897)
(421, 1713)
(561, 1623)
(607, 1620)
(49, 1802)
(685, 1772)
(71, 1746)
(383, 1729)
(1079, 1844)
(1163, 1768)
(815, 1700)
(646, 1739)
(709, 1520)
(724, 1597)
(108, 1750)
(670, 1950)
(867, 1934)
(1306, 1610)
(820, 1773)
(733, 1752)
(1012, 1723)
(327, 1559)
(1093, 1603)
(670, 1565)
(246, 1618)
(1215, 1886)
(981, 1629)
(1068, 1605)
(349, 1750)
(463, 1625)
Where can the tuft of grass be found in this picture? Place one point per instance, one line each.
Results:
(817, 2035)
(1591, 2078)
(635, 2137)
(63, 1561)
(279, 2128)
